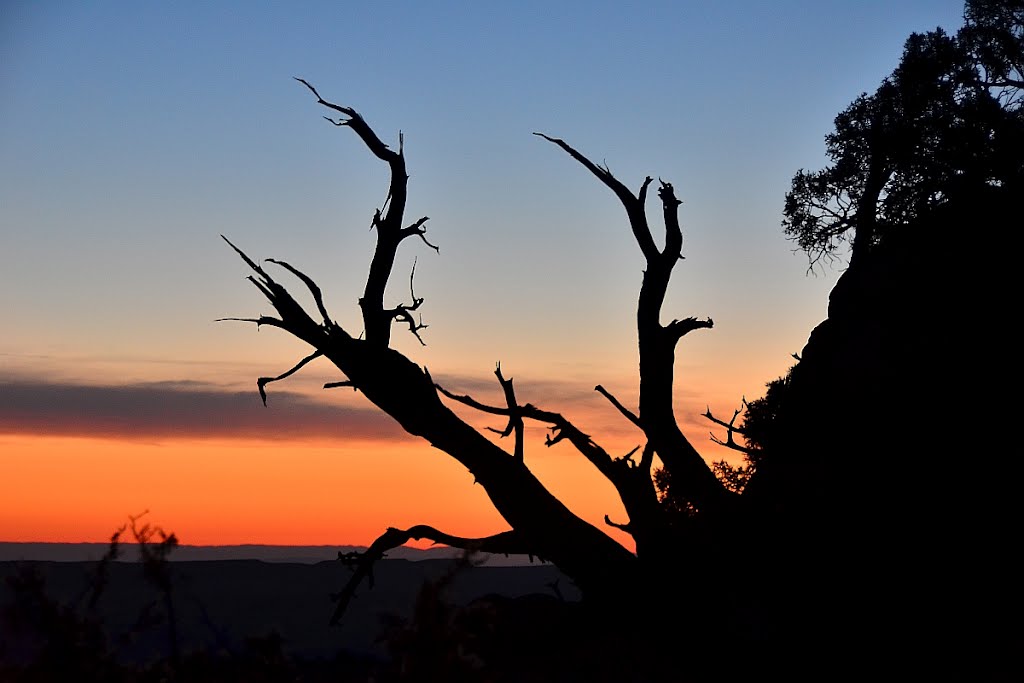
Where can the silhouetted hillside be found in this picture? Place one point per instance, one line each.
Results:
(881, 451)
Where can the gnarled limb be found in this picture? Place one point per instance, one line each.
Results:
(632, 481)
(358, 124)
(677, 329)
(506, 543)
(407, 393)
(403, 312)
(390, 233)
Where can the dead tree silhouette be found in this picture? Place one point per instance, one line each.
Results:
(540, 524)
(774, 568)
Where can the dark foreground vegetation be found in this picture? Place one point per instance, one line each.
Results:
(123, 620)
(871, 533)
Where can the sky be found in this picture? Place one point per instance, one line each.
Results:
(133, 135)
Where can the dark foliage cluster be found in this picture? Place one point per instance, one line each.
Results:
(947, 121)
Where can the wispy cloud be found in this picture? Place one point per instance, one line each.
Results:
(162, 410)
(175, 409)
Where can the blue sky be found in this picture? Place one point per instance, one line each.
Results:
(133, 134)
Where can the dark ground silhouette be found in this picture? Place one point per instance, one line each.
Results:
(241, 616)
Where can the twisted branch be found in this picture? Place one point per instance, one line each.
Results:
(404, 312)
(634, 205)
(506, 542)
(262, 382)
(356, 123)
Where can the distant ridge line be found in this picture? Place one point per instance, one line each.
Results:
(11, 551)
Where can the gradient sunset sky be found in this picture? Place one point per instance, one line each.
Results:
(133, 134)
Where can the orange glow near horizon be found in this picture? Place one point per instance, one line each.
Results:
(225, 492)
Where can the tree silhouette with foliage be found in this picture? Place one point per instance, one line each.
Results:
(947, 121)
(778, 565)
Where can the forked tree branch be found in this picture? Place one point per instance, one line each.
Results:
(542, 525)
(731, 429)
(293, 318)
(417, 230)
(657, 342)
(731, 424)
(377, 319)
(406, 392)
(562, 429)
(632, 482)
